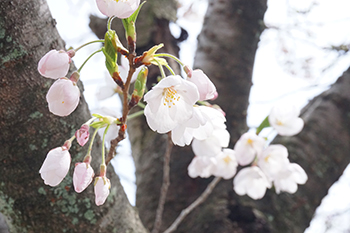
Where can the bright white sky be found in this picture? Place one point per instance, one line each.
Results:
(300, 36)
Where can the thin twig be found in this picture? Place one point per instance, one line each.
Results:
(196, 203)
(165, 186)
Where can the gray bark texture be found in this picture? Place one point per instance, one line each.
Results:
(29, 131)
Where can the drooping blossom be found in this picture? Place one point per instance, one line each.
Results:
(170, 103)
(200, 126)
(288, 178)
(119, 8)
(55, 166)
(82, 176)
(206, 88)
(251, 181)
(226, 164)
(285, 119)
(201, 166)
(247, 147)
(273, 159)
(82, 135)
(212, 145)
(102, 186)
(63, 97)
(54, 64)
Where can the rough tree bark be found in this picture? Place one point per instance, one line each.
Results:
(29, 131)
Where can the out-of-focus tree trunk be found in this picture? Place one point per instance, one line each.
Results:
(322, 149)
(29, 131)
(226, 53)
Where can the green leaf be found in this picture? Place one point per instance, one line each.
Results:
(264, 124)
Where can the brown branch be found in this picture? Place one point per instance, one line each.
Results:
(196, 203)
(165, 186)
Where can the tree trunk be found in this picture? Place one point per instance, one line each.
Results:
(226, 53)
(29, 131)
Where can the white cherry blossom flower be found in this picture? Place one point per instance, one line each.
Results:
(251, 181)
(170, 103)
(119, 8)
(102, 186)
(201, 166)
(82, 176)
(226, 164)
(273, 159)
(212, 145)
(200, 126)
(54, 64)
(55, 166)
(285, 119)
(206, 88)
(247, 147)
(288, 178)
(63, 97)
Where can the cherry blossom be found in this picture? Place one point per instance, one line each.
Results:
(285, 119)
(55, 166)
(201, 166)
(170, 103)
(226, 164)
(63, 97)
(247, 147)
(288, 178)
(82, 176)
(273, 159)
(206, 88)
(102, 186)
(54, 64)
(212, 145)
(200, 126)
(119, 8)
(82, 135)
(251, 181)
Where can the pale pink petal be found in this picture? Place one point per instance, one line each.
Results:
(63, 97)
(102, 186)
(248, 147)
(54, 64)
(205, 87)
(82, 176)
(55, 166)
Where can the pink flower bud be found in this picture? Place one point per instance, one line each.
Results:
(82, 176)
(82, 135)
(63, 97)
(205, 87)
(55, 166)
(121, 9)
(102, 186)
(54, 64)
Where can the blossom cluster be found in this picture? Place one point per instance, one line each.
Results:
(175, 105)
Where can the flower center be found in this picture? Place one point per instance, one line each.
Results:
(227, 159)
(171, 96)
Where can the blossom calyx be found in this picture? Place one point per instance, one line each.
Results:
(110, 52)
(148, 58)
(139, 87)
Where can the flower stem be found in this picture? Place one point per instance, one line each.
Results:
(103, 144)
(92, 140)
(171, 70)
(94, 41)
(81, 67)
(110, 22)
(136, 114)
(161, 69)
(170, 56)
(196, 203)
